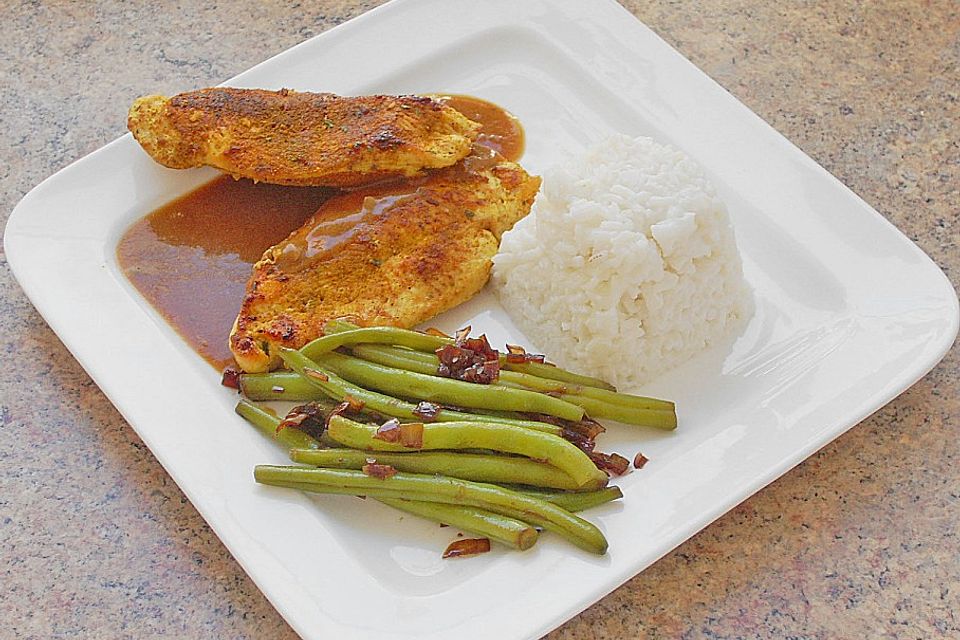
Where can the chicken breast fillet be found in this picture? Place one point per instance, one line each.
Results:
(382, 256)
(306, 139)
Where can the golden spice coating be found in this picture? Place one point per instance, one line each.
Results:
(388, 255)
(305, 139)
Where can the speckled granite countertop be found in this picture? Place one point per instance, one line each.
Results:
(860, 541)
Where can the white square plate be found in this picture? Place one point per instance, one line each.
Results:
(849, 313)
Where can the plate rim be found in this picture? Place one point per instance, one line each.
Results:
(19, 267)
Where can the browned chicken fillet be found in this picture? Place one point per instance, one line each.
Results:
(307, 139)
(382, 255)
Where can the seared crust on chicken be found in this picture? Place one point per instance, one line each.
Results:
(306, 139)
(382, 256)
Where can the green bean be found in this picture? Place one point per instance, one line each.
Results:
(338, 325)
(553, 450)
(279, 385)
(661, 419)
(572, 393)
(553, 372)
(263, 420)
(429, 363)
(268, 423)
(511, 532)
(338, 389)
(287, 385)
(424, 342)
(466, 466)
(572, 502)
(398, 357)
(377, 335)
(444, 490)
(598, 403)
(578, 501)
(625, 399)
(445, 390)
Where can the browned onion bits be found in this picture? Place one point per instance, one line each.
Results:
(427, 411)
(309, 418)
(382, 471)
(469, 359)
(409, 434)
(518, 355)
(231, 377)
(612, 463)
(389, 431)
(467, 547)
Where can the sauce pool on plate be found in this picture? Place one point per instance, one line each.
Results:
(191, 258)
(500, 130)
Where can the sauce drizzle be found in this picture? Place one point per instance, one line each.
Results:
(191, 258)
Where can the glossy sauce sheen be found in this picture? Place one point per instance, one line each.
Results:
(191, 258)
(500, 130)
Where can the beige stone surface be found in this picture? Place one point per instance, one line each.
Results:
(859, 541)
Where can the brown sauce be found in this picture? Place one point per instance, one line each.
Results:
(360, 211)
(501, 130)
(191, 258)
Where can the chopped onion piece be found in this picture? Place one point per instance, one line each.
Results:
(612, 463)
(389, 431)
(231, 377)
(467, 547)
(518, 355)
(318, 375)
(470, 360)
(381, 471)
(427, 410)
(309, 418)
(356, 406)
(411, 435)
(463, 334)
(339, 410)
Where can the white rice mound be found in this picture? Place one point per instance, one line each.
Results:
(627, 265)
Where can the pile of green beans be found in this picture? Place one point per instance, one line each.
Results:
(506, 515)
(328, 383)
(424, 342)
(484, 467)
(488, 498)
(401, 362)
(451, 436)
